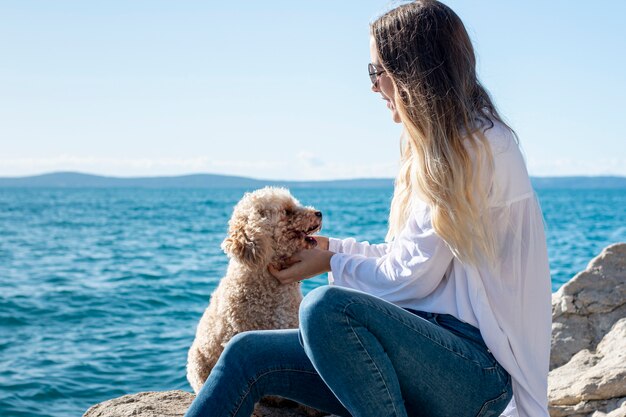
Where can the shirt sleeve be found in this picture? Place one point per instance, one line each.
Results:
(411, 268)
(351, 246)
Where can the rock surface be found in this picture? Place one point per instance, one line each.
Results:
(174, 404)
(592, 380)
(144, 404)
(586, 307)
(588, 359)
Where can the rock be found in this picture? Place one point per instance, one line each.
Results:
(617, 412)
(591, 381)
(175, 404)
(144, 404)
(588, 358)
(587, 306)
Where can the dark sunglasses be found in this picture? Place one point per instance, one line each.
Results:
(374, 73)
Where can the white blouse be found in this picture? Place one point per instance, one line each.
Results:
(511, 305)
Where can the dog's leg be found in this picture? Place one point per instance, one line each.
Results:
(197, 369)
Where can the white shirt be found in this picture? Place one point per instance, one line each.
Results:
(511, 305)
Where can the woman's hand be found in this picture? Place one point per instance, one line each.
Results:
(322, 242)
(305, 264)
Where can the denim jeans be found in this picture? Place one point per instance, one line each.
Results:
(358, 355)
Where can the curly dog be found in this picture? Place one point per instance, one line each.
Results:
(267, 226)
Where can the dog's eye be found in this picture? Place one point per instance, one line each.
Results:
(289, 212)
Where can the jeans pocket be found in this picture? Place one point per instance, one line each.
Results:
(495, 406)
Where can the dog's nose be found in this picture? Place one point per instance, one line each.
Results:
(318, 214)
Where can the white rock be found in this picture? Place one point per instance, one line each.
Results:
(587, 306)
(588, 358)
(593, 375)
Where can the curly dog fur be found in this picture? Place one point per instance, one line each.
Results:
(267, 227)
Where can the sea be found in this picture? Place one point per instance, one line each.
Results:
(101, 289)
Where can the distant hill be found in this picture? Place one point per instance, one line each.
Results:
(79, 180)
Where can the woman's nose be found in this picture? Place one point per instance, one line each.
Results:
(375, 88)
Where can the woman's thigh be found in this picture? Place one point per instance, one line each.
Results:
(440, 371)
(260, 363)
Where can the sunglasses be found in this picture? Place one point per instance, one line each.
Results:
(374, 73)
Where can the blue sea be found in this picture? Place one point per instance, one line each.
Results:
(101, 289)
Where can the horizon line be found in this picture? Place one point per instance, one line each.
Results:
(269, 179)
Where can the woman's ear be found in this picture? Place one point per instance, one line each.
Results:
(248, 244)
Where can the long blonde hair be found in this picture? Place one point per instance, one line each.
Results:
(425, 50)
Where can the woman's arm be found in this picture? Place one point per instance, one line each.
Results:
(311, 262)
(418, 260)
(351, 246)
(412, 268)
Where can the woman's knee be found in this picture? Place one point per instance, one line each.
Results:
(245, 349)
(322, 308)
(322, 299)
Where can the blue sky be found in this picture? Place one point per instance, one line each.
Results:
(279, 89)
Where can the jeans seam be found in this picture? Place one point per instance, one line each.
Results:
(489, 402)
(256, 378)
(370, 356)
(421, 333)
(506, 380)
(455, 331)
(493, 400)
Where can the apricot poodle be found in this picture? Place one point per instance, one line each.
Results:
(267, 226)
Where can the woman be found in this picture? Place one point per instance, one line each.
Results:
(452, 316)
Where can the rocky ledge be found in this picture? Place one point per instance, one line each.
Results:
(175, 403)
(588, 355)
(587, 365)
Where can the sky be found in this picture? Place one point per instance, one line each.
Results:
(279, 89)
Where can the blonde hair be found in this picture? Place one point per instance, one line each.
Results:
(428, 55)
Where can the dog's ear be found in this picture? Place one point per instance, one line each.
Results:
(249, 245)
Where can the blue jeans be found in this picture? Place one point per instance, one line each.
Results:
(357, 355)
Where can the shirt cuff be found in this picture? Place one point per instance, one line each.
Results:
(335, 262)
(334, 245)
